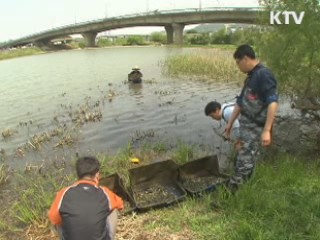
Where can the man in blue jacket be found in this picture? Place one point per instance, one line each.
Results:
(255, 108)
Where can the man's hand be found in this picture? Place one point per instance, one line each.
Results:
(234, 115)
(265, 138)
(227, 131)
(266, 134)
(238, 145)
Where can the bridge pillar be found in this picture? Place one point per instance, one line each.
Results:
(169, 31)
(44, 44)
(178, 33)
(90, 38)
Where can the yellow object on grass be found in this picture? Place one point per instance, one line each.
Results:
(134, 160)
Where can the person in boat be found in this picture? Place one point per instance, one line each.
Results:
(135, 76)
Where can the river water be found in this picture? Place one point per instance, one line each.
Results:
(38, 92)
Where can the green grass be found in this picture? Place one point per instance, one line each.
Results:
(19, 52)
(36, 194)
(209, 64)
(218, 46)
(184, 153)
(281, 201)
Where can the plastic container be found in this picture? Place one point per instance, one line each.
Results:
(115, 183)
(156, 185)
(201, 175)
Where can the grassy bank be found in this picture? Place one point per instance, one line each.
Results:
(19, 52)
(210, 46)
(282, 201)
(204, 64)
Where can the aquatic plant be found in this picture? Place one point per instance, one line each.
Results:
(7, 132)
(4, 173)
(184, 153)
(210, 65)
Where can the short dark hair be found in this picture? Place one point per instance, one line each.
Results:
(212, 107)
(87, 166)
(244, 50)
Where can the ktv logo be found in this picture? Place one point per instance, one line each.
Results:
(286, 16)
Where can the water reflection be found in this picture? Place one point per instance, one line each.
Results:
(135, 89)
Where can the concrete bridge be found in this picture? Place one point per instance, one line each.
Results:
(173, 22)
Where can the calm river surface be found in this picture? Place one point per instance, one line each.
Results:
(36, 91)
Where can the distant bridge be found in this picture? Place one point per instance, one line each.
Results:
(173, 21)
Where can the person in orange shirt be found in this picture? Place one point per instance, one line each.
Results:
(85, 210)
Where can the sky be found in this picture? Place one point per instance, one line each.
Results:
(20, 18)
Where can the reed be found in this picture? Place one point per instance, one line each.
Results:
(184, 153)
(4, 173)
(36, 194)
(19, 52)
(214, 65)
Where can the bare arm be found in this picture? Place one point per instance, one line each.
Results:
(234, 116)
(266, 134)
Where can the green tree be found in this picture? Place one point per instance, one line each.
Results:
(158, 37)
(221, 37)
(191, 31)
(200, 39)
(252, 35)
(81, 45)
(135, 40)
(103, 42)
(238, 37)
(293, 51)
(119, 41)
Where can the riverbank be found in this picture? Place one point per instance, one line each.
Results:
(281, 201)
(28, 51)
(20, 52)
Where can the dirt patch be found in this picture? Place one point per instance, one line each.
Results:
(131, 227)
(40, 232)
